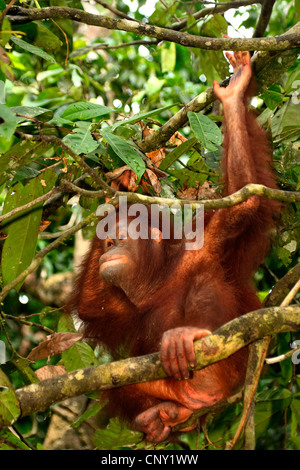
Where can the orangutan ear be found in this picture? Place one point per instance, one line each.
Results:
(156, 234)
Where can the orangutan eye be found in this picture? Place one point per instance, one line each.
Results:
(108, 243)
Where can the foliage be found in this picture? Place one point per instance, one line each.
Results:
(70, 93)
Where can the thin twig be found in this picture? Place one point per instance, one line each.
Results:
(30, 204)
(217, 8)
(23, 320)
(114, 10)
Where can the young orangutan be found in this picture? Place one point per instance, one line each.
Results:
(151, 295)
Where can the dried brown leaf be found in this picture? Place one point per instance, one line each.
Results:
(55, 344)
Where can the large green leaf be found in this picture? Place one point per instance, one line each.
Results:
(46, 39)
(31, 112)
(83, 111)
(205, 130)
(125, 152)
(22, 230)
(9, 405)
(33, 49)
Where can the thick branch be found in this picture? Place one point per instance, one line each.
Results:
(283, 287)
(225, 341)
(18, 15)
(228, 201)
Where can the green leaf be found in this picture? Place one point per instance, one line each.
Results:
(31, 112)
(272, 97)
(116, 436)
(270, 405)
(205, 130)
(6, 32)
(81, 140)
(47, 39)
(22, 229)
(285, 123)
(295, 406)
(177, 153)
(126, 153)
(168, 57)
(9, 441)
(141, 116)
(83, 111)
(78, 356)
(9, 405)
(93, 410)
(25, 173)
(8, 122)
(154, 85)
(33, 49)
(18, 156)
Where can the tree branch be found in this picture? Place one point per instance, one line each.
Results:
(264, 18)
(18, 15)
(217, 8)
(228, 201)
(283, 287)
(225, 341)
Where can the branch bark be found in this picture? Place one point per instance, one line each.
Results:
(222, 343)
(283, 287)
(228, 201)
(19, 15)
(264, 18)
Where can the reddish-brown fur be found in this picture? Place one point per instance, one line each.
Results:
(192, 292)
